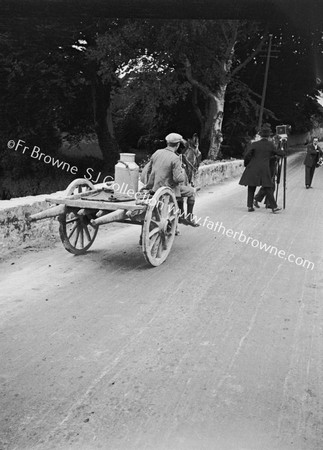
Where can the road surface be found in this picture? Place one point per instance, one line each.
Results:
(219, 348)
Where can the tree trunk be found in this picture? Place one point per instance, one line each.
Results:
(216, 127)
(211, 121)
(206, 125)
(103, 123)
(214, 122)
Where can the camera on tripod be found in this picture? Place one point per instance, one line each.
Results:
(283, 131)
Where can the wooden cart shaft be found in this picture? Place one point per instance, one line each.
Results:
(97, 204)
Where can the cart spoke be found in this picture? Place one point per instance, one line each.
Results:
(163, 241)
(157, 213)
(72, 231)
(82, 235)
(153, 232)
(73, 219)
(169, 231)
(155, 222)
(77, 236)
(155, 247)
(153, 240)
(160, 248)
(165, 203)
(85, 228)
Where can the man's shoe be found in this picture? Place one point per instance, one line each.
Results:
(251, 209)
(307, 186)
(255, 202)
(182, 220)
(192, 223)
(274, 210)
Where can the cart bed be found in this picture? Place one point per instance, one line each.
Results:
(99, 200)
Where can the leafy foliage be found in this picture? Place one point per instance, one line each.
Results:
(123, 79)
(293, 74)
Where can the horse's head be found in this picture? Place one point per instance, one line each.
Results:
(192, 144)
(192, 157)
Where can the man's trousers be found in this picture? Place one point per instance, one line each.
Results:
(309, 173)
(261, 194)
(268, 191)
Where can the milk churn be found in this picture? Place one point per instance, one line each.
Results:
(126, 174)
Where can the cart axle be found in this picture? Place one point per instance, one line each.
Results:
(118, 214)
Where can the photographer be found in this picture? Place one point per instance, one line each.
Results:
(257, 172)
(274, 169)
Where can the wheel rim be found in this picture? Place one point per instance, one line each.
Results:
(76, 232)
(159, 226)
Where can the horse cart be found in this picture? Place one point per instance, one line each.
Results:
(84, 207)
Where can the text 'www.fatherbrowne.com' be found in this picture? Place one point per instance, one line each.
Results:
(248, 240)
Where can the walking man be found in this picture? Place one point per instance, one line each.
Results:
(261, 194)
(273, 165)
(257, 172)
(311, 159)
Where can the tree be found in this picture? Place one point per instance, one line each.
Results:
(112, 49)
(199, 56)
(66, 75)
(62, 76)
(34, 85)
(215, 61)
(294, 75)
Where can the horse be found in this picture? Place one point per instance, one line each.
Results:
(191, 158)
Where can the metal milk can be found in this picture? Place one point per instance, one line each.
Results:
(126, 175)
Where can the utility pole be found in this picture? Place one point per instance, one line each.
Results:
(265, 84)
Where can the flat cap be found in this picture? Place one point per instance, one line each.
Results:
(173, 138)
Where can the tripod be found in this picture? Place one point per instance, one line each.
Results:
(282, 168)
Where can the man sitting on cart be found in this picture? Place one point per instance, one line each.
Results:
(165, 169)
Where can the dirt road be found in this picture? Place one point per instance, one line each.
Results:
(219, 348)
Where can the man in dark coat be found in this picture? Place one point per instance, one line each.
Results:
(273, 166)
(311, 159)
(261, 194)
(257, 172)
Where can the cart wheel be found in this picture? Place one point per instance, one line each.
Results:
(76, 232)
(158, 230)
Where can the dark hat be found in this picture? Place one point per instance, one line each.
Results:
(265, 130)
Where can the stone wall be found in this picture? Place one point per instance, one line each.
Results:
(17, 232)
(215, 173)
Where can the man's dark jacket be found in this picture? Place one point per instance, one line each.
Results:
(257, 172)
(312, 156)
